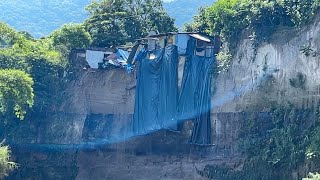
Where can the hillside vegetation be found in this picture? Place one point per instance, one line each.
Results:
(6, 166)
(31, 79)
(124, 21)
(229, 18)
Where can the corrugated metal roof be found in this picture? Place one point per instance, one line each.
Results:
(202, 38)
(149, 38)
(163, 34)
(193, 34)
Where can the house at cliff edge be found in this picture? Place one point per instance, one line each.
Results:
(173, 81)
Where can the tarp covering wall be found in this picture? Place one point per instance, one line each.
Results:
(158, 104)
(157, 91)
(169, 87)
(195, 97)
(147, 94)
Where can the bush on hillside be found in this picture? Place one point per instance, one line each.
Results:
(6, 166)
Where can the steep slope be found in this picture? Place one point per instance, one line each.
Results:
(279, 74)
(92, 113)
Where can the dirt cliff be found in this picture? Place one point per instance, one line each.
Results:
(284, 71)
(100, 103)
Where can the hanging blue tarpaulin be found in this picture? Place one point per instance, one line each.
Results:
(195, 97)
(157, 102)
(157, 90)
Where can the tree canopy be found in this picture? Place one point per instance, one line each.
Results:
(30, 73)
(117, 22)
(71, 36)
(16, 92)
(8, 36)
(259, 19)
(228, 18)
(5, 164)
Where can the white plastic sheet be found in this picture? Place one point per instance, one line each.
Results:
(94, 57)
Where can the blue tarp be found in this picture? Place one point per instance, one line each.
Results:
(200, 91)
(156, 78)
(169, 87)
(158, 104)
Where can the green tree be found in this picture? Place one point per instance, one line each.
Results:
(26, 35)
(32, 73)
(229, 18)
(16, 93)
(8, 36)
(117, 22)
(5, 164)
(225, 20)
(71, 36)
(43, 62)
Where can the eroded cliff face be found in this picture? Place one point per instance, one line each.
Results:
(280, 72)
(97, 92)
(100, 104)
(255, 81)
(97, 104)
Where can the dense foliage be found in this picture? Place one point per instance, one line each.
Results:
(8, 36)
(229, 18)
(71, 36)
(5, 164)
(276, 144)
(16, 92)
(31, 73)
(118, 22)
(31, 80)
